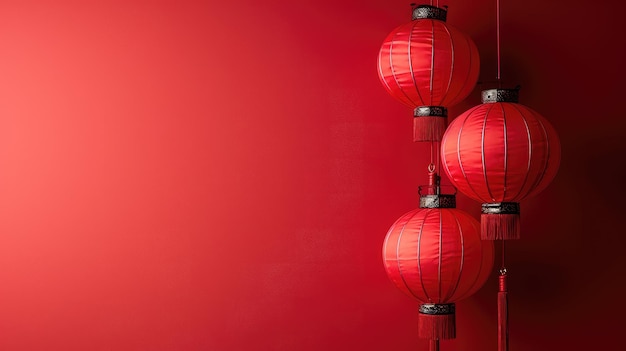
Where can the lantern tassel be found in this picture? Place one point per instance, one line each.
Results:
(429, 128)
(500, 221)
(437, 321)
(429, 123)
(434, 345)
(500, 226)
(503, 316)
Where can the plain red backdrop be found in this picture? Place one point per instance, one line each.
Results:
(215, 175)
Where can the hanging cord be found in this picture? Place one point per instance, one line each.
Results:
(438, 153)
(433, 180)
(503, 300)
(498, 75)
(432, 156)
(434, 345)
(503, 305)
(434, 168)
(503, 313)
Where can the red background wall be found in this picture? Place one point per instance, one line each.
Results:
(204, 175)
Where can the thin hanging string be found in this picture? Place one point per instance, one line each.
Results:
(433, 168)
(503, 307)
(503, 254)
(432, 152)
(438, 148)
(498, 76)
(503, 314)
(434, 344)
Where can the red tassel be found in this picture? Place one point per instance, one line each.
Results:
(503, 316)
(434, 327)
(429, 128)
(434, 345)
(500, 226)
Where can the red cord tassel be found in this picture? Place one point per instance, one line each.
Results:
(503, 316)
(436, 327)
(434, 345)
(500, 226)
(429, 128)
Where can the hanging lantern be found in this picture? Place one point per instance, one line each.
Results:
(434, 254)
(499, 153)
(428, 64)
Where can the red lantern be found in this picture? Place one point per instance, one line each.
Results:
(434, 254)
(428, 64)
(500, 153)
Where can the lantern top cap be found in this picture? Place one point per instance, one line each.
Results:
(500, 95)
(429, 12)
(438, 201)
(436, 196)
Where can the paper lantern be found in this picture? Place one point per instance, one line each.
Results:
(428, 64)
(434, 254)
(499, 153)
